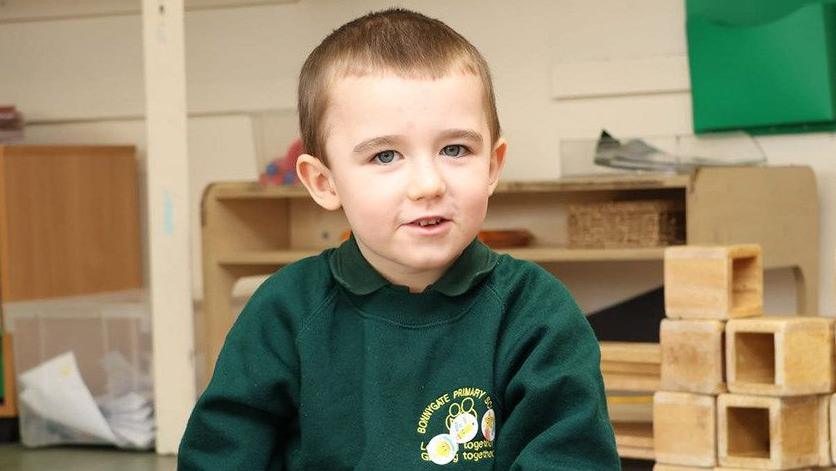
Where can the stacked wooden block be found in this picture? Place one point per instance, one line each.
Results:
(738, 390)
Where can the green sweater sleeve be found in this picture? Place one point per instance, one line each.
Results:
(552, 393)
(249, 407)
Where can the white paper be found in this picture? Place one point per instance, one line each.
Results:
(130, 414)
(55, 391)
(134, 439)
(129, 403)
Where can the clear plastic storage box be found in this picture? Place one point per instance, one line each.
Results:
(91, 354)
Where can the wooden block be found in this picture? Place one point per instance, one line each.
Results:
(832, 422)
(779, 356)
(760, 432)
(673, 467)
(639, 435)
(634, 440)
(722, 282)
(825, 458)
(692, 356)
(636, 453)
(724, 468)
(684, 428)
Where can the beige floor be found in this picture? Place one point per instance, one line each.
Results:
(14, 457)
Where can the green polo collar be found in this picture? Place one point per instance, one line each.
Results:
(354, 272)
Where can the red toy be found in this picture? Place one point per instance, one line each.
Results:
(282, 171)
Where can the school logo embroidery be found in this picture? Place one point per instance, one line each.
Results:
(452, 421)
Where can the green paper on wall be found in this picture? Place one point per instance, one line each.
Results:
(762, 66)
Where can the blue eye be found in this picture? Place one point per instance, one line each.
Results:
(455, 150)
(385, 157)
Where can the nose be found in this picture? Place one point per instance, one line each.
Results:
(425, 180)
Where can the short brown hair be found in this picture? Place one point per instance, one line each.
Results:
(398, 41)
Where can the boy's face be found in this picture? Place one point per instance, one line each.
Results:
(412, 165)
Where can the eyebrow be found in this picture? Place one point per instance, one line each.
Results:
(464, 134)
(374, 143)
(390, 140)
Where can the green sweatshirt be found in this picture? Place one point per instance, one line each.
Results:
(331, 367)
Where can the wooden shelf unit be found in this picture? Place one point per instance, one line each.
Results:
(278, 258)
(634, 440)
(249, 229)
(631, 374)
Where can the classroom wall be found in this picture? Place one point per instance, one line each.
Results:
(559, 68)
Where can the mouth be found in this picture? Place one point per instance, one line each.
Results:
(429, 225)
(431, 221)
(428, 221)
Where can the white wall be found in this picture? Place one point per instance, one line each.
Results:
(79, 79)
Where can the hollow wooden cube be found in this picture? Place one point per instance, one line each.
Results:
(684, 429)
(692, 356)
(713, 282)
(779, 356)
(762, 432)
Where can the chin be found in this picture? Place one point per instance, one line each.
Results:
(441, 259)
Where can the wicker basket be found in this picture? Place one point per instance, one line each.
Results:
(626, 224)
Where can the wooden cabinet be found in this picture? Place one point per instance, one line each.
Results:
(249, 229)
(69, 222)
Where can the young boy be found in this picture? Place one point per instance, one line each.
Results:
(412, 344)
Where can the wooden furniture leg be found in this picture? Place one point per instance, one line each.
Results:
(8, 408)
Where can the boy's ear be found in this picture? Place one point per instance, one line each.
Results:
(316, 177)
(497, 162)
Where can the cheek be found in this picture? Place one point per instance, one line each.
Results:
(482, 211)
(366, 204)
(469, 186)
(475, 205)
